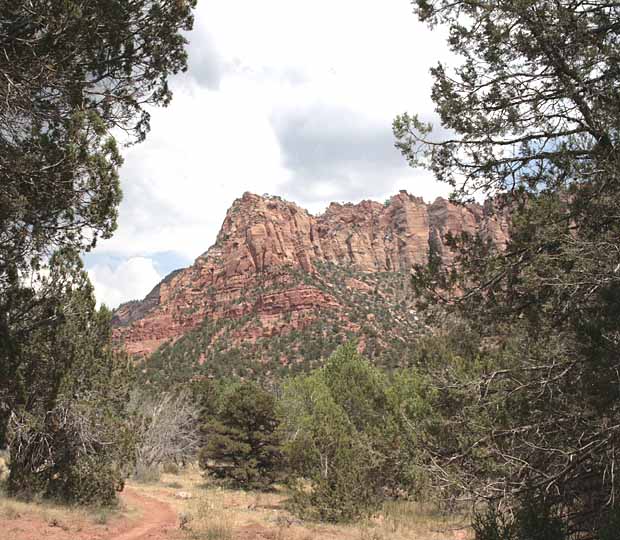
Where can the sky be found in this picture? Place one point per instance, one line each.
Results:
(288, 97)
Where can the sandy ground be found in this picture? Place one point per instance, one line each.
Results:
(144, 518)
(214, 513)
(158, 519)
(184, 506)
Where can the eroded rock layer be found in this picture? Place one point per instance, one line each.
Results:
(252, 272)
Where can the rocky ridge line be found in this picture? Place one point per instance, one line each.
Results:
(263, 240)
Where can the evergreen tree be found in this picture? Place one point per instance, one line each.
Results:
(69, 435)
(534, 112)
(345, 436)
(242, 442)
(70, 72)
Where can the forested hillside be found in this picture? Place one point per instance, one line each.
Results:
(281, 289)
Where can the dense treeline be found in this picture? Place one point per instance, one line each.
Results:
(348, 436)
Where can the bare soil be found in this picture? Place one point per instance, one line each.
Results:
(144, 518)
(156, 511)
(158, 520)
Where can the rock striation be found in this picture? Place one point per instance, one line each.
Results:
(265, 241)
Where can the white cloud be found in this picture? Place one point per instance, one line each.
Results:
(201, 154)
(132, 279)
(343, 69)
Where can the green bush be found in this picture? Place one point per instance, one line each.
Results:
(344, 436)
(533, 521)
(73, 456)
(68, 431)
(492, 525)
(611, 527)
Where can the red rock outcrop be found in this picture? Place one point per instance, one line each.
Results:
(264, 239)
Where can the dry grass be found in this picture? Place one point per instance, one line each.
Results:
(4, 469)
(55, 515)
(147, 475)
(214, 513)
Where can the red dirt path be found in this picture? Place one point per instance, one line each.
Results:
(157, 521)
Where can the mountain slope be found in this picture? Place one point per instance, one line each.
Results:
(281, 288)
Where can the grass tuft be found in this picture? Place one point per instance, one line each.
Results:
(219, 529)
(102, 516)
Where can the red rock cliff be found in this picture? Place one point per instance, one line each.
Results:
(263, 239)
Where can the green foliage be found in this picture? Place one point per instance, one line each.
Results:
(611, 525)
(70, 73)
(492, 525)
(242, 442)
(346, 437)
(532, 522)
(68, 433)
(534, 116)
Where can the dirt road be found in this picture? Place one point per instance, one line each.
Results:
(157, 520)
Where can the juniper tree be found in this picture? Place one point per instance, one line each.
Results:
(69, 434)
(242, 441)
(532, 113)
(70, 72)
(345, 443)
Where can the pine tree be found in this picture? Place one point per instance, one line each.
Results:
(242, 442)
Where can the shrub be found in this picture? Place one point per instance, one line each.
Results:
(533, 521)
(343, 435)
(146, 474)
(67, 425)
(609, 530)
(167, 430)
(492, 525)
(171, 468)
(72, 456)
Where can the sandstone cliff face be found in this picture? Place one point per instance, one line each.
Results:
(265, 241)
